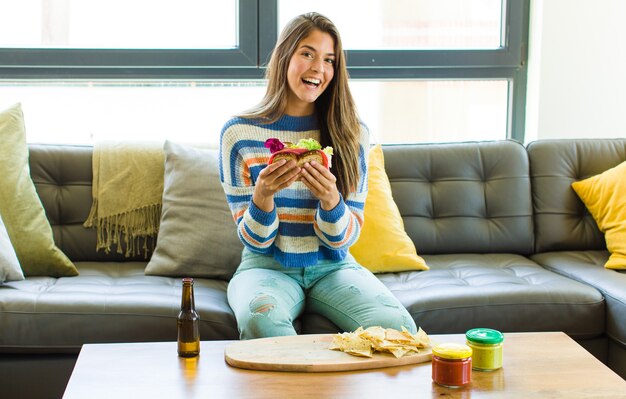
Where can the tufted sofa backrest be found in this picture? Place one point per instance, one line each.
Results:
(561, 220)
(63, 177)
(456, 197)
(463, 197)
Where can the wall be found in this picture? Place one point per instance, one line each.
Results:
(576, 69)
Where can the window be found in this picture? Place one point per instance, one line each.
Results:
(83, 112)
(141, 39)
(408, 24)
(433, 110)
(422, 70)
(439, 68)
(110, 24)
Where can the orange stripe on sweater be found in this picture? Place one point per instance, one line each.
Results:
(245, 171)
(348, 234)
(251, 240)
(245, 175)
(346, 237)
(257, 160)
(359, 219)
(288, 217)
(239, 215)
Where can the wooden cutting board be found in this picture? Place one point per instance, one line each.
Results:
(308, 353)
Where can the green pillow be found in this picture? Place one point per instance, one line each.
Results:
(20, 206)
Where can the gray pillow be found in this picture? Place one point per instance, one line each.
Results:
(10, 269)
(197, 236)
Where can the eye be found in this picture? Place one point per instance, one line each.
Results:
(307, 54)
(331, 61)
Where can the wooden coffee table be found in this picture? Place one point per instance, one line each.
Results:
(536, 365)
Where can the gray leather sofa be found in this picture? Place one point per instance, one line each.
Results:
(509, 244)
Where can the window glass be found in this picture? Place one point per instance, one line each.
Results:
(87, 112)
(164, 24)
(433, 111)
(407, 24)
(395, 111)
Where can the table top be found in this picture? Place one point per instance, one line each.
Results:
(536, 365)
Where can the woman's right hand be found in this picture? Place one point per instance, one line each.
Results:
(272, 179)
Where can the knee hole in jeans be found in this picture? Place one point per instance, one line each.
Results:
(262, 303)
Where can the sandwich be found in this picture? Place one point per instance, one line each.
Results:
(305, 150)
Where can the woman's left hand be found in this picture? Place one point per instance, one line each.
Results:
(322, 183)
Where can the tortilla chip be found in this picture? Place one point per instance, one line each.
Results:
(399, 351)
(362, 353)
(396, 336)
(363, 342)
(375, 333)
(352, 343)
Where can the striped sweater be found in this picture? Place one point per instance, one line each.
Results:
(297, 232)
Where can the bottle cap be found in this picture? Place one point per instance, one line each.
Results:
(452, 351)
(187, 280)
(484, 336)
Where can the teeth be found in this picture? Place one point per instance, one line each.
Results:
(312, 81)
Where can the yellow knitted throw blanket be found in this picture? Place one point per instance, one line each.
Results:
(127, 195)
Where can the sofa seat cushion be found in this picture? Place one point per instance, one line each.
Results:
(107, 302)
(503, 291)
(588, 267)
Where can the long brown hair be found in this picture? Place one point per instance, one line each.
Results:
(339, 121)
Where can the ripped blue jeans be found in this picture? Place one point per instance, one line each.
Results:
(266, 297)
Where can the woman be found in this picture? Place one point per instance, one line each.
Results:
(297, 223)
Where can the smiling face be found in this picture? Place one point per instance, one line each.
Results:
(310, 71)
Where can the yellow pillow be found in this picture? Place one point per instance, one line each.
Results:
(383, 245)
(20, 206)
(604, 195)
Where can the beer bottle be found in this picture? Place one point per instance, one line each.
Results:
(188, 331)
